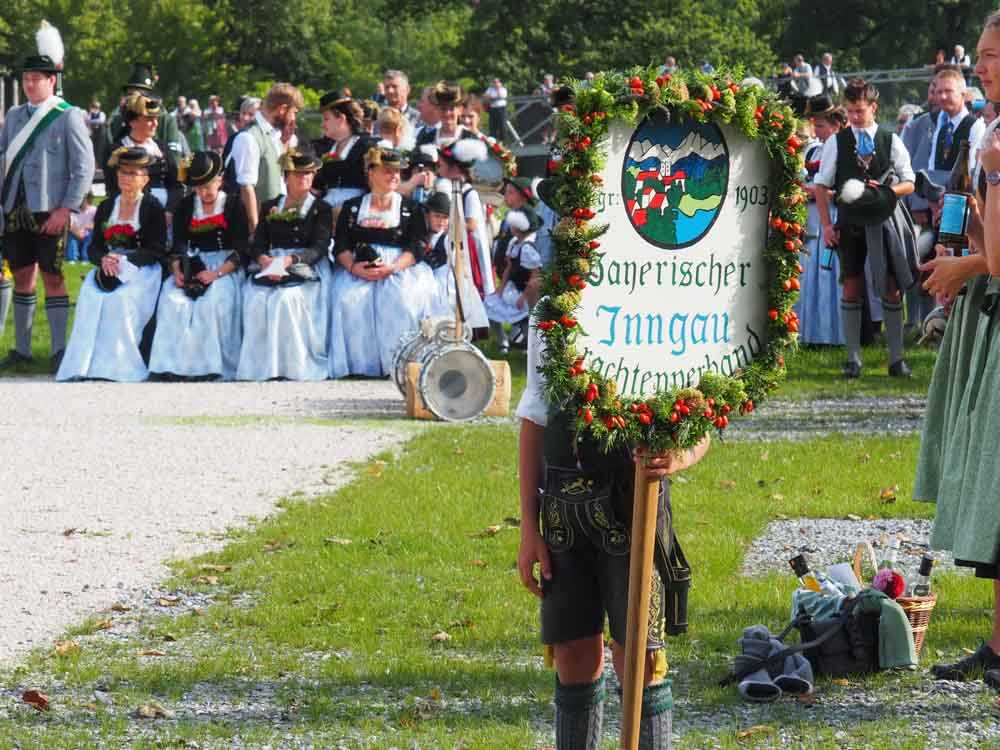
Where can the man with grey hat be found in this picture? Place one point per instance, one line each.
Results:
(47, 167)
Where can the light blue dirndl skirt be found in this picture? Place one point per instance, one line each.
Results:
(818, 306)
(200, 337)
(284, 327)
(368, 318)
(107, 328)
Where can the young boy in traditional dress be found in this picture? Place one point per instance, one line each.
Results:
(584, 564)
(868, 153)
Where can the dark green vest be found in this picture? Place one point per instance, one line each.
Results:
(849, 167)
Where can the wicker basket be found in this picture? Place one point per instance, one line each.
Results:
(918, 608)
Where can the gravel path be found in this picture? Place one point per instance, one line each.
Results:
(102, 482)
(782, 419)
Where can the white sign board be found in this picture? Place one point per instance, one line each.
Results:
(680, 286)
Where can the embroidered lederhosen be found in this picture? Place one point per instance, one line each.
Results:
(586, 509)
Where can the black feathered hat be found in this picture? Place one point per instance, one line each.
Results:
(204, 167)
(142, 78)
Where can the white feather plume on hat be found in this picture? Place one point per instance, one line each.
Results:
(851, 191)
(50, 43)
(469, 150)
(429, 150)
(518, 220)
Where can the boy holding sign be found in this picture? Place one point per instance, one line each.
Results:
(876, 158)
(576, 504)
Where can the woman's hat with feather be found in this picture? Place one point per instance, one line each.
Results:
(50, 51)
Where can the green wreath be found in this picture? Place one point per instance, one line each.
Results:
(679, 417)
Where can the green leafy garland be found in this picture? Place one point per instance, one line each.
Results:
(680, 417)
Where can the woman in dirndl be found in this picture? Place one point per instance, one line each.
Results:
(958, 468)
(141, 116)
(455, 163)
(818, 306)
(380, 293)
(285, 309)
(199, 319)
(118, 298)
(342, 175)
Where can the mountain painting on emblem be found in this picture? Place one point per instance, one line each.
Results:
(674, 180)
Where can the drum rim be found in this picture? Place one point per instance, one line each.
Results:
(448, 349)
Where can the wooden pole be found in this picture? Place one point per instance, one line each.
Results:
(459, 240)
(644, 508)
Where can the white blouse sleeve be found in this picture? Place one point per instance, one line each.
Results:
(533, 405)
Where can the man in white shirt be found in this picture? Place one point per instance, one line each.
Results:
(253, 161)
(824, 72)
(954, 123)
(496, 95)
(863, 152)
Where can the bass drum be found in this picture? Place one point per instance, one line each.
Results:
(409, 346)
(456, 382)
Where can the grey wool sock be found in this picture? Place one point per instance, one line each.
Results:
(579, 715)
(6, 297)
(850, 319)
(57, 310)
(657, 719)
(24, 321)
(892, 318)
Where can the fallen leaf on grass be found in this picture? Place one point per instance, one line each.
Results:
(64, 648)
(103, 625)
(277, 544)
(487, 532)
(853, 517)
(754, 730)
(153, 711)
(337, 540)
(435, 694)
(765, 455)
(841, 682)
(36, 699)
(119, 607)
(375, 468)
(207, 580)
(440, 637)
(478, 563)
(727, 484)
(151, 652)
(210, 568)
(168, 601)
(888, 494)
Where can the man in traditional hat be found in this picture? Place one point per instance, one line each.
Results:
(253, 161)
(142, 80)
(47, 167)
(447, 98)
(875, 158)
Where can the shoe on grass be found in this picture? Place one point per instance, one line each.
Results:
(900, 370)
(983, 659)
(852, 369)
(14, 358)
